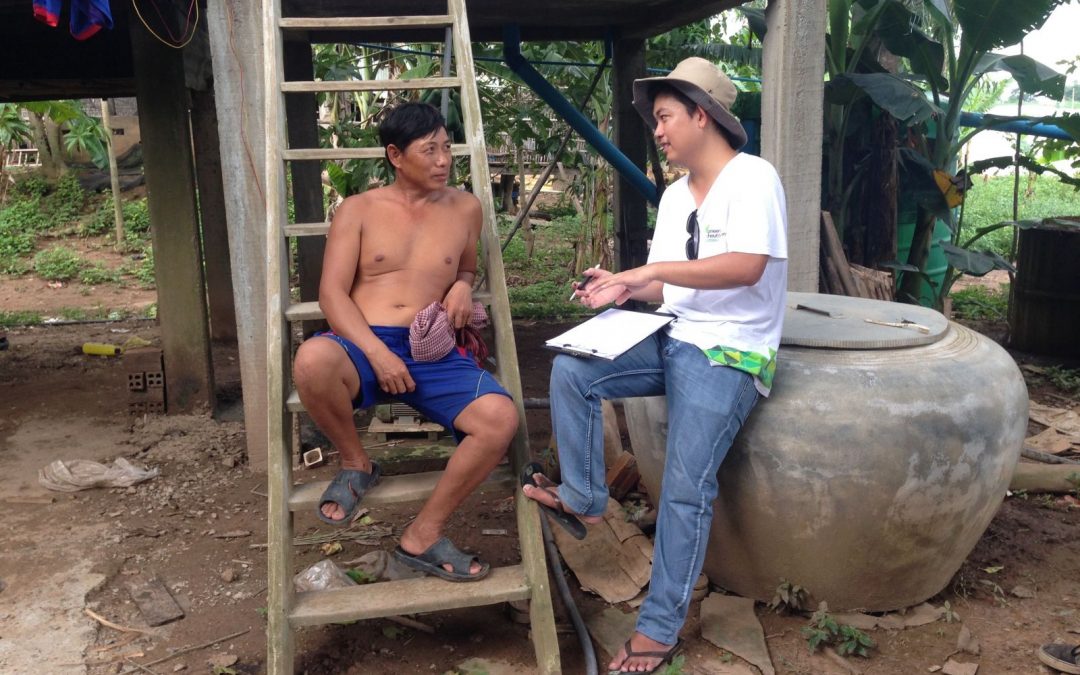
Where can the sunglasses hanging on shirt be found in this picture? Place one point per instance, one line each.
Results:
(694, 234)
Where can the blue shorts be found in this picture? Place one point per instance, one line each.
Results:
(443, 388)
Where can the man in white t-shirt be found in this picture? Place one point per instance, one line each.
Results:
(719, 263)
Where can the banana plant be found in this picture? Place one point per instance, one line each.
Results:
(948, 46)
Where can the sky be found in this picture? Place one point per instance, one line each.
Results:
(1056, 40)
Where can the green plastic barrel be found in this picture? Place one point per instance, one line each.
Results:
(936, 263)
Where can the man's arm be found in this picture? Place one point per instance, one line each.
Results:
(458, 299)
(646, 283)
(340, 265)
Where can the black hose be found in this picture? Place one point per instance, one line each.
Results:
(564, 592)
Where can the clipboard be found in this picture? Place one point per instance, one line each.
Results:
(609, 334)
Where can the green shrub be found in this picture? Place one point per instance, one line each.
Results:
(33, 185)
(136, 217)
(19, 317)
(97, 274)
(66, 202)
(979, 302)
(142, 268)
(17, 231)
(58, 263)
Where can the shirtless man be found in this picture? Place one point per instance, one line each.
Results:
(390, 253)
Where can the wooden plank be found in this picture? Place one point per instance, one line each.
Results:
(237, 50)
(307, 311)
(307, 229)
(364, 22)
(154, 602)
(414, 84)
(791, 134)
(396, 489)
(390, 598)
(541, 613)
(293, 154)
(212, 213)
(830, 242)
(174, 222)
(280, 639)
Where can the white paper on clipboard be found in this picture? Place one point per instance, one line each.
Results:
(609, 334)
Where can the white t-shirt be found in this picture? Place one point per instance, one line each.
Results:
(745, 212)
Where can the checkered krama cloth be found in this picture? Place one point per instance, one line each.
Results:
(432, 336)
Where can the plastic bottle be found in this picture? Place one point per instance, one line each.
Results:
(100, 349)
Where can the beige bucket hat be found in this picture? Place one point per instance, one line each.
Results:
(705, 84)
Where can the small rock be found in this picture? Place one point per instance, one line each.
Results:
(178, 667)
(934, 669)
(228, 575)
(222, 660)
(229, 462)
(959, 668)
(1022, 592)
(966, 642)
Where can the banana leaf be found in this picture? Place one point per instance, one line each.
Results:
(991, 24)
(897, 96)
(897, 29)
(975, 263)
(1032, 76)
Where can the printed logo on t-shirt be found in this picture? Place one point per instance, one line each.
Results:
(715, 234)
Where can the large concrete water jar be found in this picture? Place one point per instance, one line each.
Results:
(870, 473)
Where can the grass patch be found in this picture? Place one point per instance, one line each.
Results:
(539, 286)
(19, 317)
(58, 263)
(98, 274)
(979, 302)
(989, 201)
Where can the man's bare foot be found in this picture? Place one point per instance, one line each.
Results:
(546, 492)
(415, 540)
(647, 655)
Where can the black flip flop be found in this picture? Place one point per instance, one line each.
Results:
(346, 490)
(665, 657)
(568, 521)
(440, 553)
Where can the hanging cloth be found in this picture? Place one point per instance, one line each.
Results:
(87, 16)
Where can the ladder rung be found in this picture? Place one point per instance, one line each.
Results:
(396, 489)
(458, 150)
(307, 229)
(310, 311)
(296, 86)
(407, 596)
(365, 22)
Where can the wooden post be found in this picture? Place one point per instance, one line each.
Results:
(631, 234)
(114, 174)
(174, 224)
(219, 287)
(791, 111)
(302, 115)
(236, 46)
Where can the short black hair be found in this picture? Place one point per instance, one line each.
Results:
(671, 90)
(408, 122)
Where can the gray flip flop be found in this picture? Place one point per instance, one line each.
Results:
(440, 553)
(346, 490)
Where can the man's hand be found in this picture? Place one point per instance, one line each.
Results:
(390, 371)
(604, 287)
(458, 303)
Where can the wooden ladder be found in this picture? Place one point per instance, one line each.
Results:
(288, 610)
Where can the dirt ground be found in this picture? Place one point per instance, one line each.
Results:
(199, 528)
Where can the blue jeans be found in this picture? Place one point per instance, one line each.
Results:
(706, 407)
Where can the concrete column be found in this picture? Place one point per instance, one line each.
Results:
(791, 125)
(174, 224)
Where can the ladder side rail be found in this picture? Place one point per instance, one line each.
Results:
(280, 638)
(541, 612)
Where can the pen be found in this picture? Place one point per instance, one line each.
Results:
(581, 284)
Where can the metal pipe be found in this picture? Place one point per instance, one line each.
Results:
(581, 124)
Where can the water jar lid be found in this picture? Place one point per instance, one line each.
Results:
(840, 322)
